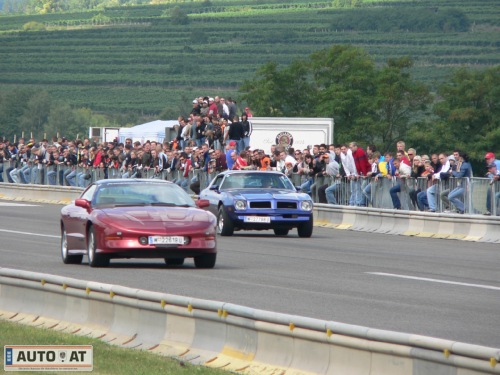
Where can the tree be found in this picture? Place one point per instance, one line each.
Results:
(287, 92)
(399, 101)
(469, 109)
(345, 81)
(179, 17)
(35, 113)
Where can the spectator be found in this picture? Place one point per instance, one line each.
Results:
(231, 149)
(403, 171)
(247, 130)
(463, 171)
(494, 176)
(436, 177)
(490, 158)
(248, 112)
(351, 172)
(236, 133)
(327, 192)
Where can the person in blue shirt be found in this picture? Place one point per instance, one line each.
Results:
(464, 171)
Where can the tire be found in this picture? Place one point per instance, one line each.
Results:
(66, 258)
(174, 261)
(305, 229)
(281, 231)
(225, 226)
(205, 261)
(95, 260)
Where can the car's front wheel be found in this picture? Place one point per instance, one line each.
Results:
(205, 261)
(225, 226)
(305, 229)
(66, 258)
(281, 231)
(174, 261)
(95, 259)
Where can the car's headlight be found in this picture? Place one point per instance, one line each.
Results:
(240, 204)
(306, 205)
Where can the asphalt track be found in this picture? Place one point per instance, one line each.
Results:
(442, 288)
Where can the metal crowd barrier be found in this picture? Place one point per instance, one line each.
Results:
(480, 196)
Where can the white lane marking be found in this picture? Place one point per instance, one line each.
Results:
(29, 233)
(8, 204)
(435, 280)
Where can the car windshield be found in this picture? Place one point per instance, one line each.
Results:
(142, 194)
(257, 181)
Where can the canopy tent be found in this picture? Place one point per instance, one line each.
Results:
(152, 131)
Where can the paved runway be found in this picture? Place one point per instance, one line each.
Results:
(442, 288)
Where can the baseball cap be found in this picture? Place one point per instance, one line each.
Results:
(195, 101)
(232, 143)
(490, 155)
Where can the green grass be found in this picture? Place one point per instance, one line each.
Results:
(107, 359)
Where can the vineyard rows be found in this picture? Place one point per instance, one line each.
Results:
(138, 59)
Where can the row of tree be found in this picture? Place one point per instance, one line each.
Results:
(382, 104)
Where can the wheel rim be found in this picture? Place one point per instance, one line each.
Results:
(64, 245)
(91, 246)
(220, 225)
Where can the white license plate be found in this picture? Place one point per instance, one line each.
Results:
(257, 219)
(166, 240)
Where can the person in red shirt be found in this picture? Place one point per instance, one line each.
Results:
(247, 111)
(363, 168)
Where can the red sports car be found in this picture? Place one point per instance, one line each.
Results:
(127, 218)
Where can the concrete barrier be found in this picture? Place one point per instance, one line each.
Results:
(476, 228)
(228, 336)
(39, 193)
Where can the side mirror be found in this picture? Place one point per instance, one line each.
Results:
(201, 203)
(214, 188)
(298, 188)
(83, 203)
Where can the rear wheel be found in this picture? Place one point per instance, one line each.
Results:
(174, 261)
(281, 231)
(205, 261)
(306, 229)
(66, 258)
(95, 259)
(225, 226)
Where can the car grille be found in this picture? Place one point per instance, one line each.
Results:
(279, 205)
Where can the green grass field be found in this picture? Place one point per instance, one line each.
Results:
(108, 360)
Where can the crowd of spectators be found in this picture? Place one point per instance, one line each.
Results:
(214, 138)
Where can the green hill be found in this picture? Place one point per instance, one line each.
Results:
(148, 58)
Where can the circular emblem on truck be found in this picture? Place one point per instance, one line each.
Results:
(284, 139)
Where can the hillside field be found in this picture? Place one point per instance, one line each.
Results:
(142, 59)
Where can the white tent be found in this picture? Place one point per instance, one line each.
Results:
(153, 131)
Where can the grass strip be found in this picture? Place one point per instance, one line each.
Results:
(108, 359)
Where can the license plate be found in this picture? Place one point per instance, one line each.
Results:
(166, 240)
(257, 219)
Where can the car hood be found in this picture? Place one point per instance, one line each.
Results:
(139, 216)
(267, 194)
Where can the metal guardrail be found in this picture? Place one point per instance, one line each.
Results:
(220, 334)
(478, 196)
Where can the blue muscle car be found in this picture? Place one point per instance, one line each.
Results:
(257, 200)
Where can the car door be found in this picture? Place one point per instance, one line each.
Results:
(213, 196)
(76, 222)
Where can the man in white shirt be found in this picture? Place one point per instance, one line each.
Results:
(350, 171)
(403, 171)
